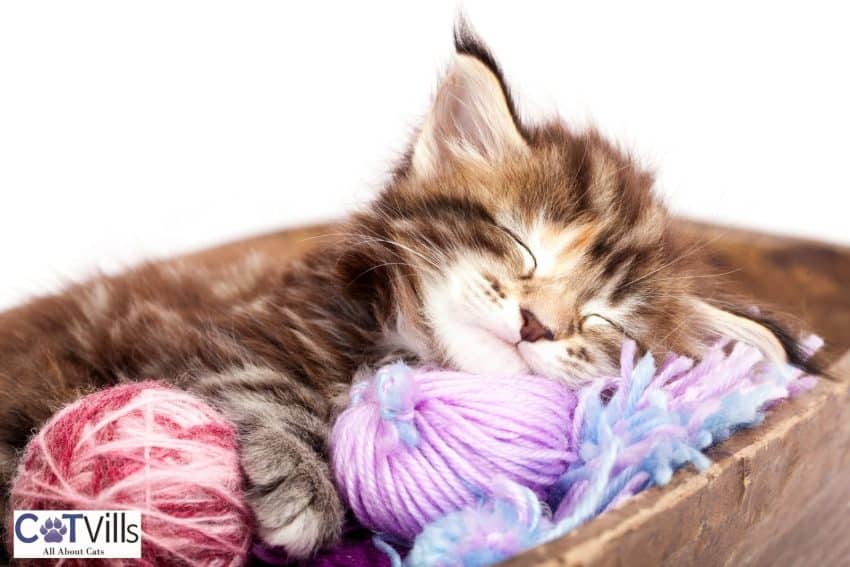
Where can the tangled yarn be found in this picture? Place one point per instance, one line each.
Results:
(151, 448)
(626, 433)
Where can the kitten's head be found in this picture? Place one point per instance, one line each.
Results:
(504, 248)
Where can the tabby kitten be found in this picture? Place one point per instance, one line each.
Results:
(498, 247)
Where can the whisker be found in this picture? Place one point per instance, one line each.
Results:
(674, 329)
(699, 276)
(365, 238)
(683, 255)
(373, 268)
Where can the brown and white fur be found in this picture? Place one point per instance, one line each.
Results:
(498, 247)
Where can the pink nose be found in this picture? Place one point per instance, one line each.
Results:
(532, 329)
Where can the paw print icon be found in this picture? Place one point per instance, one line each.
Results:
(53, 530)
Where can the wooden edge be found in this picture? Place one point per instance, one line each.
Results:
(751, 236)
(763, 479)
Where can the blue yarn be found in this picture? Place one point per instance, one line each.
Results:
(667, 428)
(393, 385)
(497, 528)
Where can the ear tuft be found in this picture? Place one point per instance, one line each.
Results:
(468, 43)
(472, 116)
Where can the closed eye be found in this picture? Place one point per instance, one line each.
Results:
(613, 324)
(525, 247)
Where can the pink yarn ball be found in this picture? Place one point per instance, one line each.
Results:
(416, 444)
(146, 447)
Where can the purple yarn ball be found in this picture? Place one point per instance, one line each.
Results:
(416, 444)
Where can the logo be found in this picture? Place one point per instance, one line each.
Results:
(53, 530)
(77, 534)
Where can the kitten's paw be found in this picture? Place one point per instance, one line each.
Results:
(304, 534)
(303, 513)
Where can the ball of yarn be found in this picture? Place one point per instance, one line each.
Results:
(416, 444)
(151, 448)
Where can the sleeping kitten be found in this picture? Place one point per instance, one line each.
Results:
(498, 247)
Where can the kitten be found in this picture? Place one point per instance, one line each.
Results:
(498, 247)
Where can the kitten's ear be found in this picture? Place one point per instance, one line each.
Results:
(752, 328)
(472, 115)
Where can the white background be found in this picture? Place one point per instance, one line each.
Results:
(140, 129)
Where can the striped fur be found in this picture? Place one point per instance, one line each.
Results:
(487, 225)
